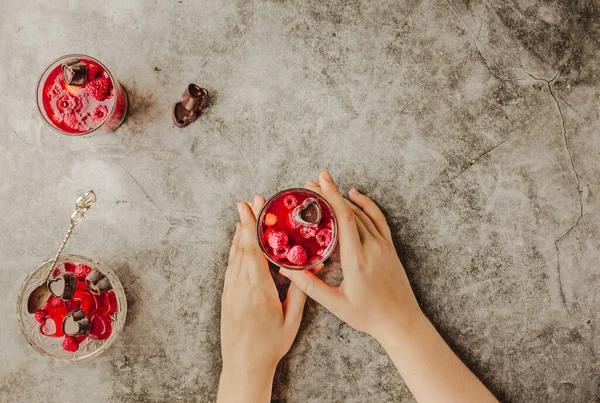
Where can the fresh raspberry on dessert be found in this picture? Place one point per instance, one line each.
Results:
(93, 71)
(290, 201)
(324, 237)
(270, 219)
(282, 252)
(81, 271)
(297, 255)
(291, 223)
(69, 266)
(39, 315)
(98, 88)
(99, 113)
(308, 232)
(73, 304)
(72, 122)
(70, 344)
(56, 118)
(330, 223)
(321, 252)
(54, 91)
(67, 103)
(277, 239)
(54, 302)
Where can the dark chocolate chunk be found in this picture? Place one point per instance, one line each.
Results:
(63, 286)
(76, 324)
(195, 98)
(74, 72)
(97, 282)
(182, 117)
(308, 213)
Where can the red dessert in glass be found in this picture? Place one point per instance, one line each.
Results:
(93, 300)
(96, 102)
(297, 229)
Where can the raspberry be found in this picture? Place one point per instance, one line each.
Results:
(70, 267)
(67, 103)
(330, 223)
(98, 88)
(290, 201)
(39, 315)
(73, 304)
(270, 220)
(308, 232)
(54, 91)
(81, 271)
(282, 252)
(291, 223)
(70, 344)
(54, 302)
(56, 118)
(297, 255)
(93, 71)
(99, 113)
(72, 122)
(277, 239)
(324, 237)
(321, 252)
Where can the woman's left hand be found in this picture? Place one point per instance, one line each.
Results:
(257, 330)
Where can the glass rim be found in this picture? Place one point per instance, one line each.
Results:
(332, 246)
(37, 91)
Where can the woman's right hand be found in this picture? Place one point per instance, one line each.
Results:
(375, 296)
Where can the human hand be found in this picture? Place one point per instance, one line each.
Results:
(375, 296)
(257, 330)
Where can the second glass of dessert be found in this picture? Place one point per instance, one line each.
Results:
(297, 229)
(77, 95)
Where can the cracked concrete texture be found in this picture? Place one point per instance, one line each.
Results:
(473, 124)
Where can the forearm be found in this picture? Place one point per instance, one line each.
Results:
(430, 369)
(238, 385)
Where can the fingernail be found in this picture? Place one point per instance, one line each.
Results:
(353, 190)
(256, 199)
(240, 207)
(327, 175)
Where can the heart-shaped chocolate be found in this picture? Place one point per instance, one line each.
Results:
(97, 282)
(63, 286)
(308, 213)
(76, 324)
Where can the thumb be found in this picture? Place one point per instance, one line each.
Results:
(293, 306)
(314, 287)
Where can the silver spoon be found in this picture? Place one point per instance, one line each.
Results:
(41, 293)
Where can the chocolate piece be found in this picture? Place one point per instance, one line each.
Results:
(182, 117)
(308, 213)
(76, 324)
(195, 98)
(74, 72)
(63, 286)
(97, 282)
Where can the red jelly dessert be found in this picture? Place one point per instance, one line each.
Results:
(78, 95)
(86, 313)
(297, 229)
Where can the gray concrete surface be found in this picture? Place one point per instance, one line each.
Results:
(474, 124)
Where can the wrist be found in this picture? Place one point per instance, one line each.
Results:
(401, 329)
(244, 383)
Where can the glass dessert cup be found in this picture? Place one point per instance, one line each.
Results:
(89, 346)
(97, 106)
(297, 229)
